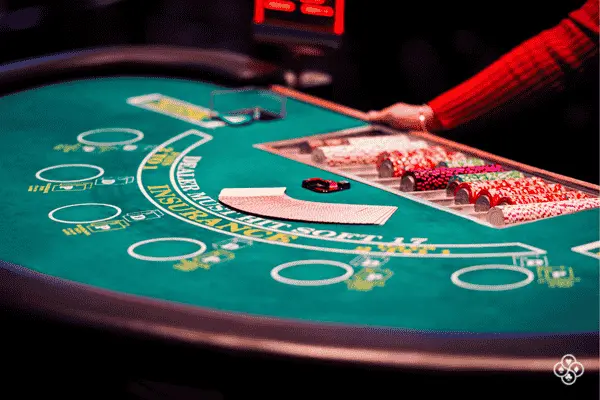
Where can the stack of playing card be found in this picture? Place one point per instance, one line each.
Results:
(274, 203)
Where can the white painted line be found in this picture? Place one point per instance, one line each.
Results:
(143, 98)
(64, 221)
(38, 174)
(455, 278)
(138, 135)
(585, 249)
(349, 271)
(132, 253)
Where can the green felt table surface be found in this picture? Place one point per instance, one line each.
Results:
(189, 249)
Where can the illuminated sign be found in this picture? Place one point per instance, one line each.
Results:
(326, 16)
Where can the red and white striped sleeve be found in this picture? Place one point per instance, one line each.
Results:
(537, 65)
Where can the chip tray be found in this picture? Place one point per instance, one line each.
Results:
(429, 172)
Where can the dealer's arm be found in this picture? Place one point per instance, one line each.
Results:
(537, 66)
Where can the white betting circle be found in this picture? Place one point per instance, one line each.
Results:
(455, 278)
(132, 253)
(139, 135)
(64, 221)
(38, 174)
(319, 282)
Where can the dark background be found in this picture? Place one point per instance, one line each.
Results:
(392, 51)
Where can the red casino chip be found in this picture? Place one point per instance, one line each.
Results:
(489, 198)
(468, 192)
(311, 145)
(511, 214)
(320, 185)
(394, 164)
(438, 178)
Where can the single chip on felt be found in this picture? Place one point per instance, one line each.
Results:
(320, 185)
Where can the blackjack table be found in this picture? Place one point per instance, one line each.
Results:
(158, 193)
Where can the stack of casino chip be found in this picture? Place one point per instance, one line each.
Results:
(367, 141)
(468, 192)
(395, 163)
(512, 199)
(362, 154)
(467, 162)
(484, 177)
(511, 214)
(492, 197)
(388, 141)
(312, 144)
(435, 179)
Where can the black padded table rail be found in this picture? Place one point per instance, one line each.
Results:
(223, 67)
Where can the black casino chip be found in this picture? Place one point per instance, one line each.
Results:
(320, 185)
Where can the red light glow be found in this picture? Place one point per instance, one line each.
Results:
(338, 25)
(280, 5)
(320, 11)
(333, 11)
(259, 12)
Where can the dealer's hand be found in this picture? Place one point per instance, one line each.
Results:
(404, 116)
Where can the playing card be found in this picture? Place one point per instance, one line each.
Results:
(274, 203)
